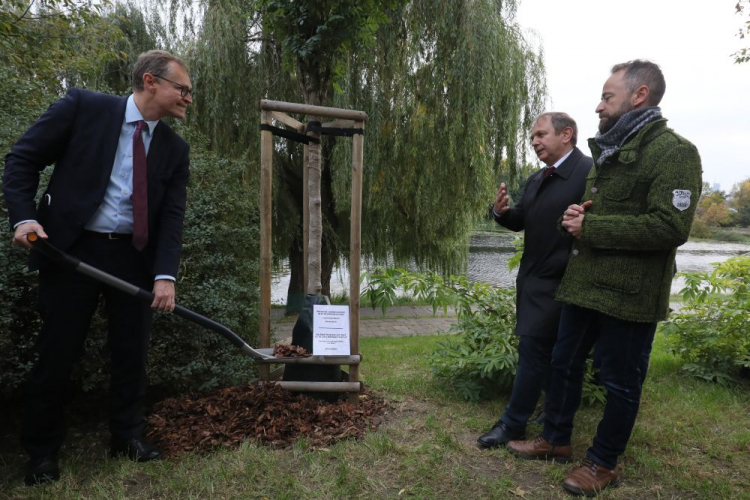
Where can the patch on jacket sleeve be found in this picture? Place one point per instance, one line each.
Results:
(681, 199)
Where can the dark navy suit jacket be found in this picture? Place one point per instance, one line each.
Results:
(546, 250)
(79, 135)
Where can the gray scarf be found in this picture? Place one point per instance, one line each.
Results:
(631, 122)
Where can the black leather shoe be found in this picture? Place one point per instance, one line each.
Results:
(135, 449)
(500, 435)
(42, 470)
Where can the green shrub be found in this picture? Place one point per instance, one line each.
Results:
(19, 321)
(515, 261)
(384, 285)
(731, 235)
(21, 101)
(593, 392)
(711, 332)
(700, 230)
(481, 359)
(218, 278)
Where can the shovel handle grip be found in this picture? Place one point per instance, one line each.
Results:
(50, 251)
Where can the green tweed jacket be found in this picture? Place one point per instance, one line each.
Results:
(644, 199)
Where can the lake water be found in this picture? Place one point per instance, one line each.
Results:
(489, 253)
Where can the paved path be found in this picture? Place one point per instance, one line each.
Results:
(400, 321)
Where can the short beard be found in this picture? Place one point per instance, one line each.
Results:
(612, 120)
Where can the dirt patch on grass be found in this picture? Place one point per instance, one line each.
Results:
(264, 413)
(525, 479)
(137, 485)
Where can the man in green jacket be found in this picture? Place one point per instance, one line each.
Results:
(638, 207)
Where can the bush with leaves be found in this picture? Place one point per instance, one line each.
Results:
(481, 360)
(711, 332)
(18, 317)
(384, 286)
(218, 278)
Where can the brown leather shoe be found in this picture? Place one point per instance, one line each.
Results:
(591, 478)
(541, 449)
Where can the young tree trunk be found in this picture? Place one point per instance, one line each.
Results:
(291, 182)
(315, 240)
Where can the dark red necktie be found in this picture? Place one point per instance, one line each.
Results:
(140, 195)
(548, 171)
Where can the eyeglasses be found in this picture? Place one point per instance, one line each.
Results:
(184, 89)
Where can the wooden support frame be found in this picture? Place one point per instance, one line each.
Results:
(342, 118)
(266, 194)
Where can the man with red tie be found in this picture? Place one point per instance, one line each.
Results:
(115, 200)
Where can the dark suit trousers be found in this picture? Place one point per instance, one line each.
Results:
(622, 347)
(534, 354)
(67, 301)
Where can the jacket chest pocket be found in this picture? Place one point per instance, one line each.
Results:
(616, 188)
(623, 194)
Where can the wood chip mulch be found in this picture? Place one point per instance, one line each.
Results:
(263, 413)
(290, 351)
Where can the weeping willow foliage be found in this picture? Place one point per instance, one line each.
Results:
(451, 88)
(226, 76)
(234, 64)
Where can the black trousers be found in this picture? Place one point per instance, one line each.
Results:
(67, 301)
(534, 354)
(623, 348)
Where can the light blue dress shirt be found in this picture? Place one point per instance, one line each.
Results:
(115, 214)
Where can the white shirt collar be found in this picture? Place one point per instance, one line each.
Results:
(559, 162)
(133, 114)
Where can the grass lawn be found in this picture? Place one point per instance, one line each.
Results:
(692, 440)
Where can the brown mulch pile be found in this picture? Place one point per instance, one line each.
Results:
(290, 351)
(264, 413)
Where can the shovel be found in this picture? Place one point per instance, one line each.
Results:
(53, 253)
(262, 355)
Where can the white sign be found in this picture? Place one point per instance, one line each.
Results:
(331, 330)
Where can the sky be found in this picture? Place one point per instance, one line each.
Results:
(707, 99)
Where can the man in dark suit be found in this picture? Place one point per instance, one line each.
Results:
(116, 200)
(546, 195)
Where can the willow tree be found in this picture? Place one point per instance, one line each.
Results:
(283, 50)
(450, 87)
(317, 35)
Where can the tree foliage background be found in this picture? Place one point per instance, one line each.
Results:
(94, 46)
(718, 211)
(450, 88)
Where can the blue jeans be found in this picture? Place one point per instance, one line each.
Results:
(621, 347)
(534, 354)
